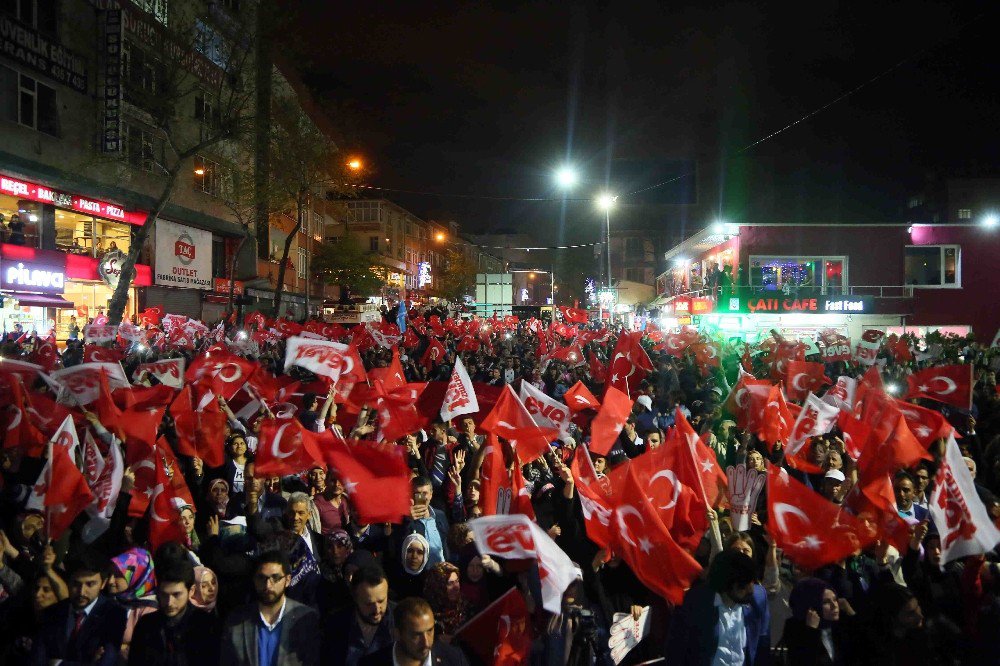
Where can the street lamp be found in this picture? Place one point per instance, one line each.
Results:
(439, 237)
(566, 177)
(606, 201)
(354, 164)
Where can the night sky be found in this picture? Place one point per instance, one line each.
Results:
(486, 99)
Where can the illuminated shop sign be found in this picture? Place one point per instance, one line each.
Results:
(31, 278)
(790, 305)
(29, 191)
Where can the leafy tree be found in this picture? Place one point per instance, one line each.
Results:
(458, 278)
(348, 265)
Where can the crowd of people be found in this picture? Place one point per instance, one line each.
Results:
(289, 568)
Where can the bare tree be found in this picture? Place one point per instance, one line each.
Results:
(191, 46)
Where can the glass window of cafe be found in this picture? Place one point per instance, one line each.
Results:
(75, 232)
(790, 273)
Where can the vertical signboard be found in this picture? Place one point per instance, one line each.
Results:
(111, 129)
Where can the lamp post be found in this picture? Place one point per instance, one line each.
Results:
(606, 201)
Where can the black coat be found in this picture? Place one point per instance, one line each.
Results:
(805, 644)
(343, 643)
(193, 640)
(102, 630)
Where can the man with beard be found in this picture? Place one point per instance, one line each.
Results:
(721, 623)
(274, 629)
(414, 644)
(177, 634)
(365, 628)
(87, 627)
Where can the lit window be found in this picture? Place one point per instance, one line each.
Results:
(965, 213)
(933, 266)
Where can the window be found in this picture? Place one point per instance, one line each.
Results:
(206, 109)
(142, 74)
(39, 14)
(916, 202)
(142, 148)
(792, 274)
(301, 266)
(965, 213)
(933, 265)
(633, 248)
(635, 274)
(28, 102)
(209, 177)
(373, 243)
(210, 44)
(158, 8)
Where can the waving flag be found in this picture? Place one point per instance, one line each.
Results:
(460, 396)
(950, 384)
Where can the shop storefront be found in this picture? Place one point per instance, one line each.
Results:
(42, 289)
(182, 259)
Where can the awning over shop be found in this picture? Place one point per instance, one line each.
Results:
(39, 300)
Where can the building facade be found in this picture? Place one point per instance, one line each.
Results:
(747, 279)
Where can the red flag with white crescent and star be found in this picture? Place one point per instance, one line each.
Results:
(950, 384)
(165, 509)
(803, 378)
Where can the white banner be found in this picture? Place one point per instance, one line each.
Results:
(545, 411)
(959, 515)
(460, 397)
(183, 256)
(321, 357)
(517, 537)
(841, 394)
(99, 334)
(80, 384)
(868, 346)
(743, 490)
(168, 371)
(816, 418)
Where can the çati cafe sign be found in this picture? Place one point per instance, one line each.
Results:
(23, 189)
(817, 305)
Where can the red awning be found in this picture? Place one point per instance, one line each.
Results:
(40, 300)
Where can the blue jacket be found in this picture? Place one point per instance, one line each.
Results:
(694, 629)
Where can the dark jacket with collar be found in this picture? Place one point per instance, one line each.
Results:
(694, 630)
(297, 646)
(194, 639)
(101, 630)
(441, 655)
(343, 642)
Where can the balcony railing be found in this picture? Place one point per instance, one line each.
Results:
(875, 291)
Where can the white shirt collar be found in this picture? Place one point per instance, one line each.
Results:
(277, 621)
(395, 659)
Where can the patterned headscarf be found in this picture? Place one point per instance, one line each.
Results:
(198, 599)
(450, 614)
(136, 567)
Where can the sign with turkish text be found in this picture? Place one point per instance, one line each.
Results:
(168, 371)
(41, 277)
(183, 256)
(773, 302)
(329, 359)
(100, 334)
(23, 189)
(545, 411)
(221, 286)
(42, 54)
(700, 306)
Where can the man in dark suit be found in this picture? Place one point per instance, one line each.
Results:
(724, 621)
(274, 629)
(364, 628)
(414, 640)
(177, 634)
(87, 628)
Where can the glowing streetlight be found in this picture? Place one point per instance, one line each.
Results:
(355, 164)
(991, 220)
(606, 201)
(566, 177)
(439, 237)
(199, 171)
(531, 276)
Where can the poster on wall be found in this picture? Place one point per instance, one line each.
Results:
(183, 256)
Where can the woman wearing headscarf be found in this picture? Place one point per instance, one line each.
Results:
(408, 575)
(443, 592)
(206, 589)
(480, 578)
(817, 633)
(334, 589)
(133, 583)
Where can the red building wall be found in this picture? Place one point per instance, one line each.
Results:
(876, 258)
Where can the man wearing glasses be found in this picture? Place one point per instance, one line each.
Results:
(274, 630)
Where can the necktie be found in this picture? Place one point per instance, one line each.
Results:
(77, 624)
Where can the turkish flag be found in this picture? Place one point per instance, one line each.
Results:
(571, 355)
(98, 354)
(18, 424)
(224, 373)
(747, 400)
(501, 634)
(511, 420)
(61, 492)
(629, 363)
(377, 480)
(598, 371)
(165, 509)
(811, 530)
(610, 420)
(803, 378)
(392, 377)
(285, 448)
(950, 384)
(46, 354)
(433, 355)
(887, 453)
(573, 315)
(595, 498)
(495, 491)
(706, 355)
(645, 544)
(673, 487)
(855, 434)
(579, 397)
(712, 478)
(874, 503)
(108, 413)
(775, 424)
(468, 344)
(200, 432)
(397, 409)
(926, 425)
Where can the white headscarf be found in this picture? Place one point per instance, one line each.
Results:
(419, 538)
